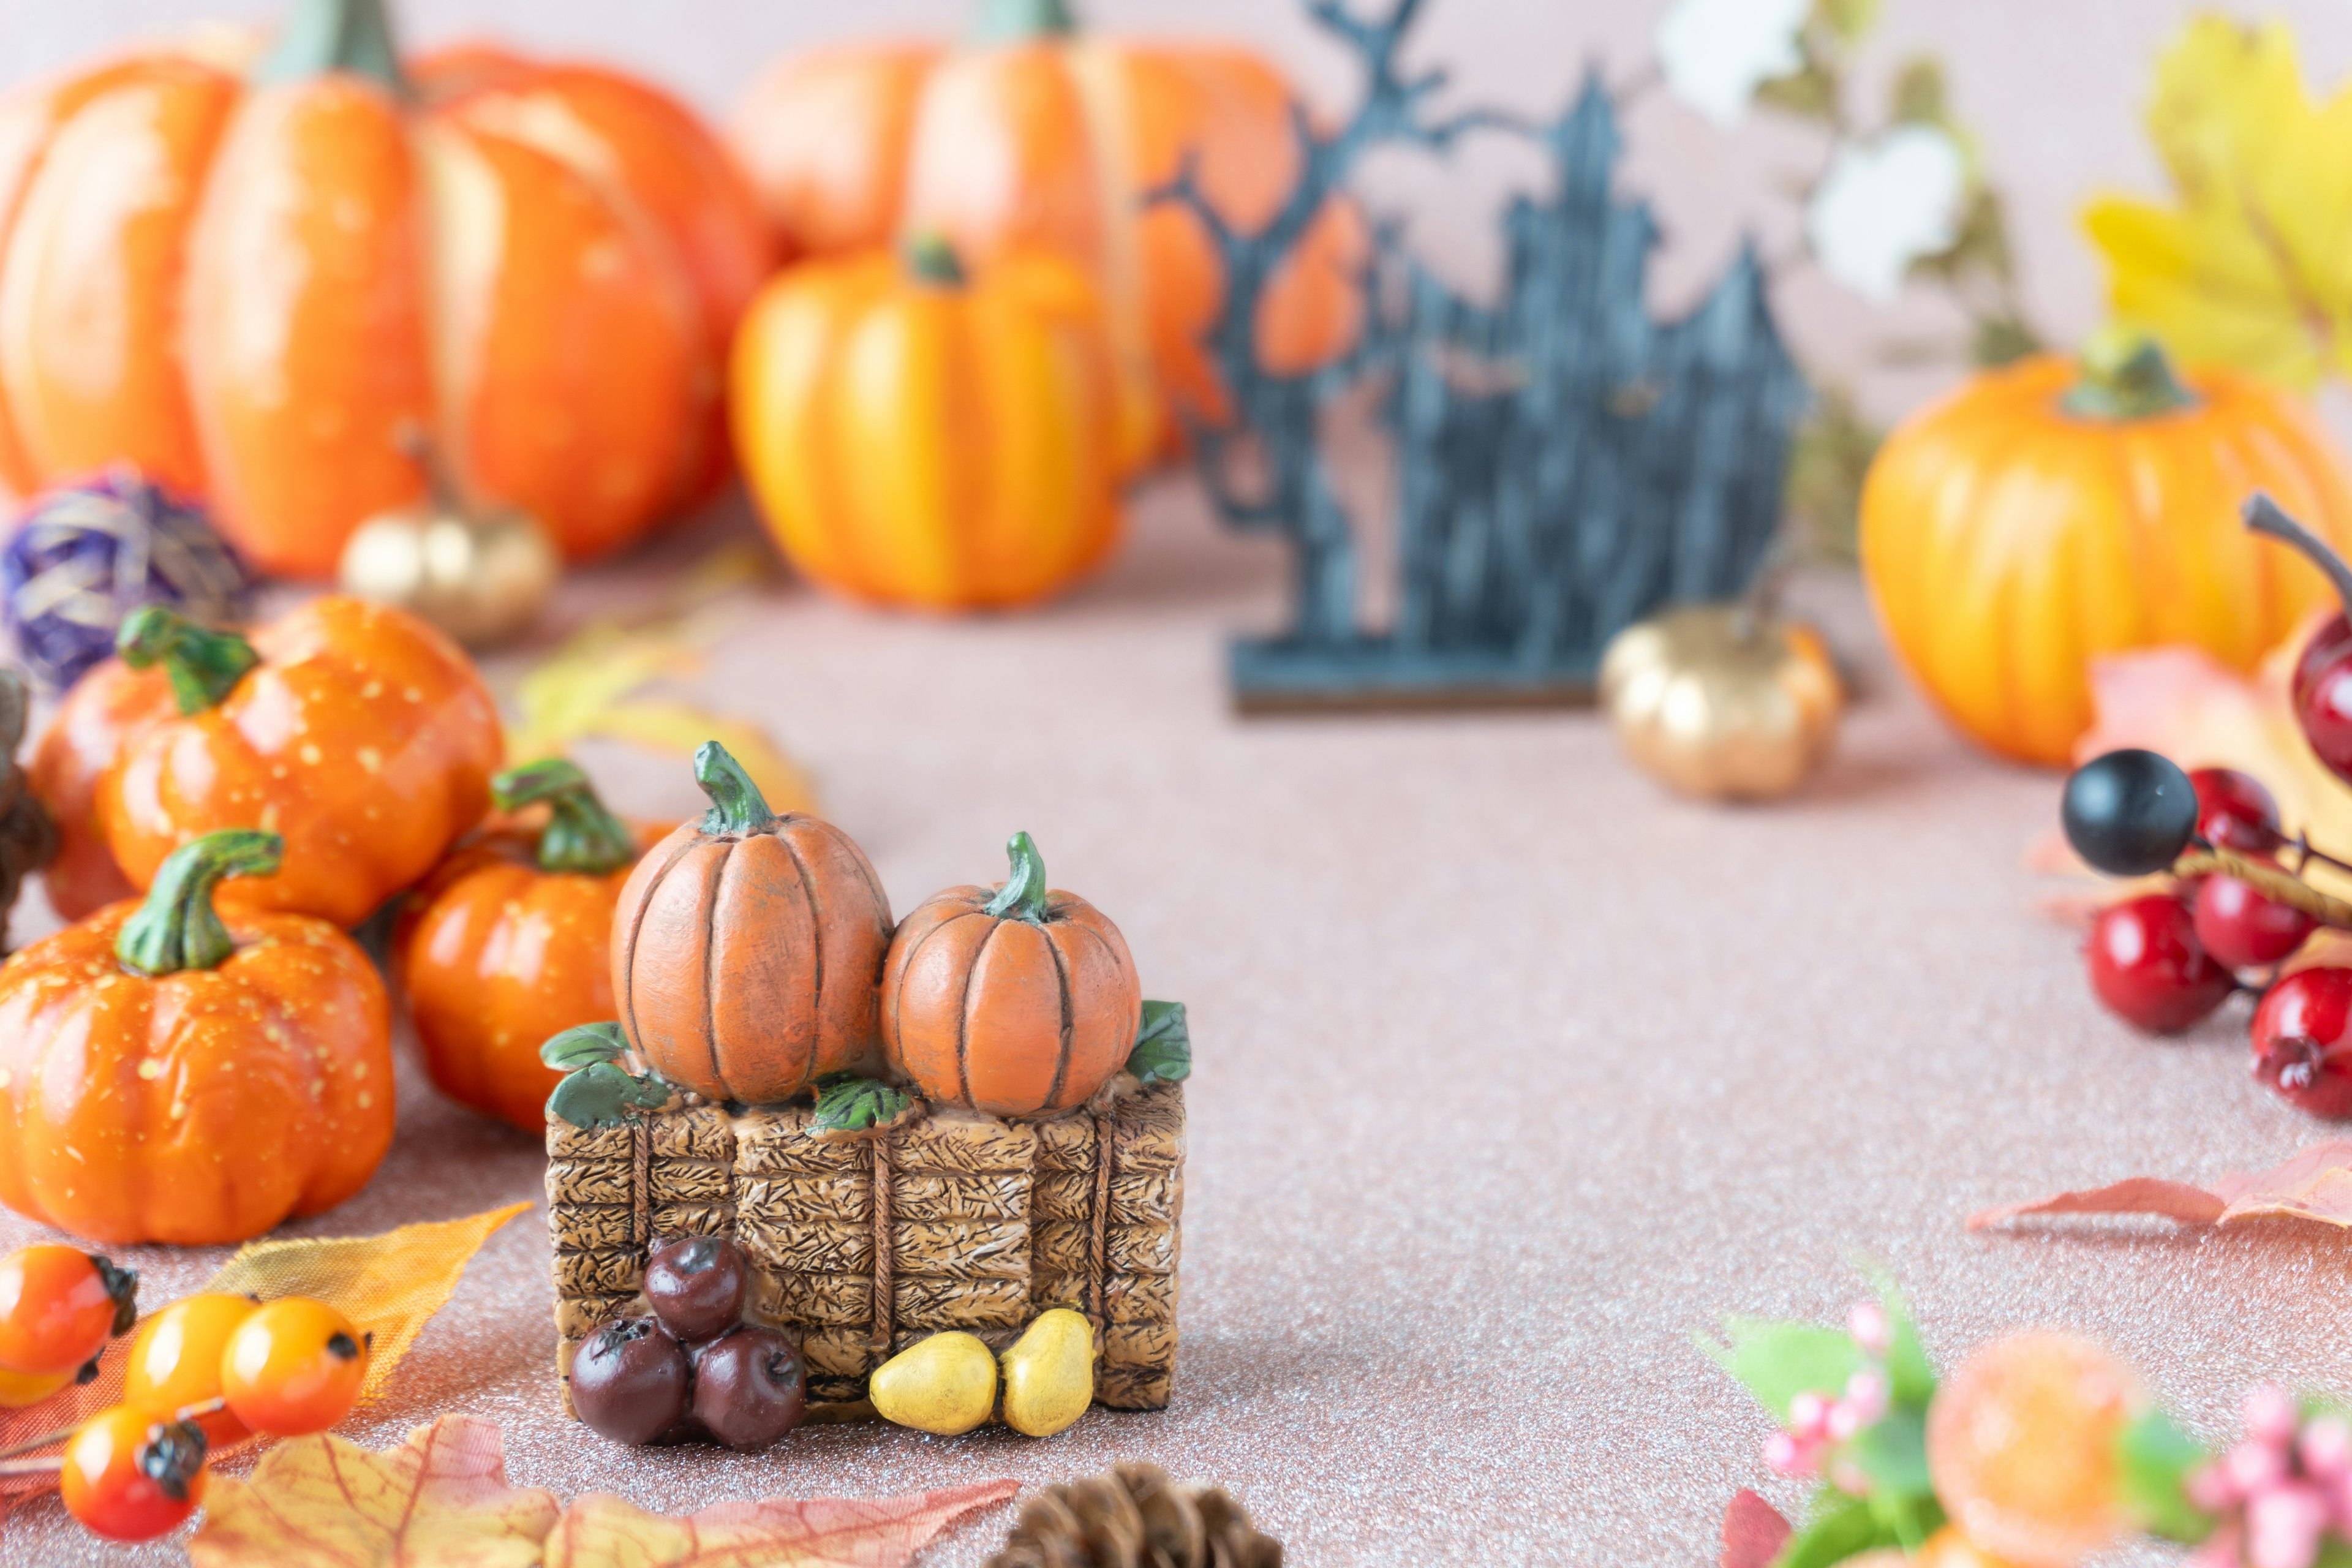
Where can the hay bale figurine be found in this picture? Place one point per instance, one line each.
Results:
(931, 1175)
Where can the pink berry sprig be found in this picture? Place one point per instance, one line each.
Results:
(2281, 1490)
(1820, 1423)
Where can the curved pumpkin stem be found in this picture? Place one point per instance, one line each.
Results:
(177, 927)
(581, 834)
(2265, 516)
(1022, 896)
(736, 804)
(322, 35)
(1021, 21)
(933, 260)
(2125, 375)
(204, 665)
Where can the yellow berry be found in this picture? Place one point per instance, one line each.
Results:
(2022, 1449)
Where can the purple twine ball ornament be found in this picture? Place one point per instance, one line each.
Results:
(87, 555)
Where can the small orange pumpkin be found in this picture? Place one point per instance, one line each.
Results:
(165, 1077)
(1010, 1000)
(747, 946)
(509, 940)
(916, 436)
(2049, 513)
(355, 730)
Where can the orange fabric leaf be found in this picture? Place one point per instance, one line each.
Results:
(2316, 1184)
(440, 1498)
(387, 1285)
(600, 1530)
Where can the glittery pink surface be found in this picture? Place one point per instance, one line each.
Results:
(1512, 1073)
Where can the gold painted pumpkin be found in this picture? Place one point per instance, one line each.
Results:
(919, 437)
(2049, 513)
(1716, 702)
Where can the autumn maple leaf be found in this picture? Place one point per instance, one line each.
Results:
(2251, 266)
(600, 1531)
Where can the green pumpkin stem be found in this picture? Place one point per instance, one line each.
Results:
(2126, 375)
(177, 927)
(205, 665)
(322, 35)
(2265, 516)
(933, 260)
(1022, 21)
(736, 804)
(1022, 896)
(581, 834)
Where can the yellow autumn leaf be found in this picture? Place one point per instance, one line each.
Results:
(2251, 265)
(440, 1498)
(600, 1530)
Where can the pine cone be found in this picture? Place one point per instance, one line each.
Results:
(1135, 1517)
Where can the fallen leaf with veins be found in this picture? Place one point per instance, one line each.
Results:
(600, 1530)
(2316, 1184)
(321, 1502)
(1753, 1533)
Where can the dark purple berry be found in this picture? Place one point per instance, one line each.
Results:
(750, 1387)
(695, 1284)
(630, 1381)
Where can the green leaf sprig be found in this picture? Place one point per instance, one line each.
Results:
(597, 1089)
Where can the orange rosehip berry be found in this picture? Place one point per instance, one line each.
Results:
(18, 1389)
(175, 1362)
(59, 1305)
(293, 1367)
(2022, 1449)
(129, 1477)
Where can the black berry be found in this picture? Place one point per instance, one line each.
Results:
(695, 1285)
(750, 1387)
(2129, 813)
(630, 1381)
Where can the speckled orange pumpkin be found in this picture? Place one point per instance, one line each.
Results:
(1010, 1000)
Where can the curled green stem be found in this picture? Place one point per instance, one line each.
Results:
(581, 834)
(322, 35)
(933, 260)
(1022, 896)
(205, 665)
(736, 804)
(1023, 21)
(177, 927)
(2126, 376)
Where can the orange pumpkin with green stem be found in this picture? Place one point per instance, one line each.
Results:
(747, 946)
(2052, 513)
(1041, 137)
(509, 940)
(357, 731)
(920, 436)
(541, 269)
(169, 1076)
(1013, 1000)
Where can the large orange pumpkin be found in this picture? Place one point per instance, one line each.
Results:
(511, 938)
(2049, 513)
(1012, 1000)
(747, 947)
(917, 438)
(248, 285)
(1040, 138)
(165, 1077)
(355, 730)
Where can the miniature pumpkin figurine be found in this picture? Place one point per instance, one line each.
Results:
(1719, 702)
(509, 942)
(747, 946)
(1010, 1000)
(167, 1076)
(357, 731)
(482, 577)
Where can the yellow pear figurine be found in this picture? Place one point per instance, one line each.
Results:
(946, 1384)
(1049, 1373)
(481, 577)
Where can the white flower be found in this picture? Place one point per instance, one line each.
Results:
(1885, 204)
(1716, 53)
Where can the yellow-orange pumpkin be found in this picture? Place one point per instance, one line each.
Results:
(1010, 1000)
(915, 437)
(1038, 137)
(2049, 513)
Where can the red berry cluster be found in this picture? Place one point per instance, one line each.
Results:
(691, 1367)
